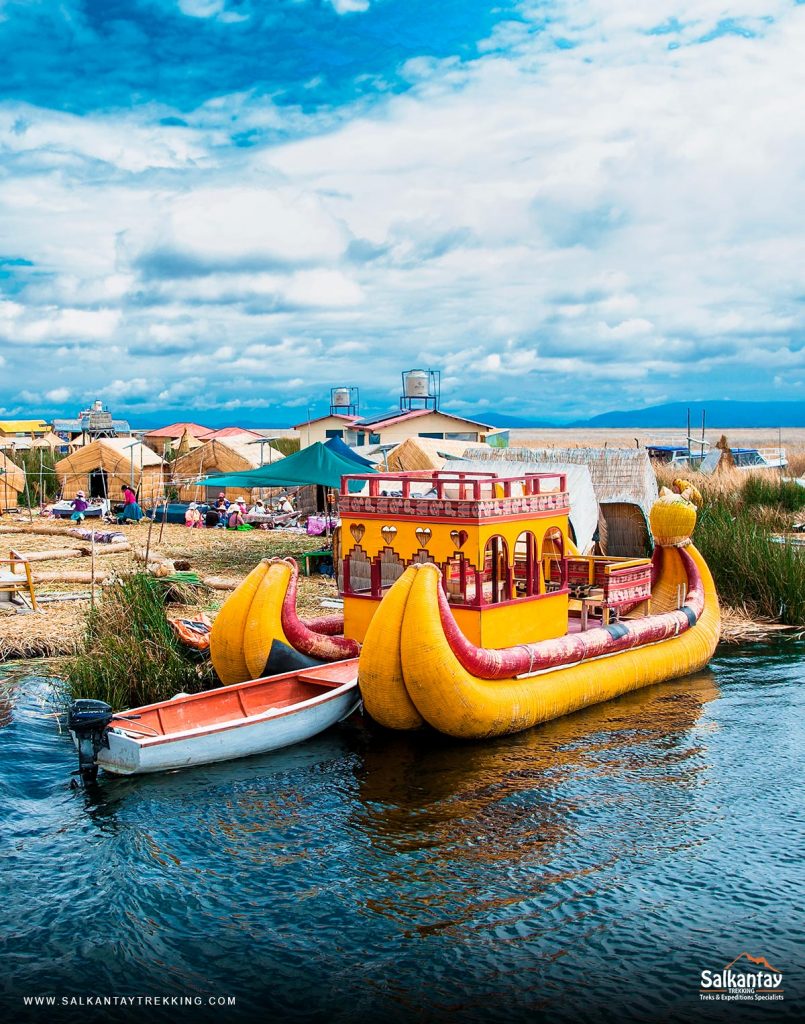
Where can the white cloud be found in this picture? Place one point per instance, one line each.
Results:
(349, 6)
(237, 226)
(58, 395)
(202, 8)
(619, 215)
(84, 325)
(136, 387)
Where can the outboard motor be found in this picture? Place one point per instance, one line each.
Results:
(88, 720)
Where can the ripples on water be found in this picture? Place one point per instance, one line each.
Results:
(588, 869)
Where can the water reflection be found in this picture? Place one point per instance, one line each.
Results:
(369, 875)
(557, 804)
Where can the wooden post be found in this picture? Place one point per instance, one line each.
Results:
(148, 540)
(92, 572)
(164, 520)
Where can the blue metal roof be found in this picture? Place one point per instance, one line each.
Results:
(78, 426)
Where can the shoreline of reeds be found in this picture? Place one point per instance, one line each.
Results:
(741, 514)
(130, 655)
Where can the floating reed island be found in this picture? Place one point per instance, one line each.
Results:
(67, 583)
(744, 531)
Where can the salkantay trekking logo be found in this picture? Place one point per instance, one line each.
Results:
(740, 983)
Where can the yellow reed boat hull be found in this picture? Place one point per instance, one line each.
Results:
(408, 670)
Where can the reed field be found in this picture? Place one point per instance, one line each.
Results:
(130, 655)
(760, 582)
(741, 515)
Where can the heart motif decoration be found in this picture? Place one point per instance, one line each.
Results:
(423, 535)
(459, 537)
(389, 533)
(357, 530)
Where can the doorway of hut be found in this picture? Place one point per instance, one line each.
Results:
(98, 484)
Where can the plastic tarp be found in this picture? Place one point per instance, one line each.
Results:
(314, 465)
(583, 505)
(337, 447)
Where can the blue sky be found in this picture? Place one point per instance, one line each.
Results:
(225, 207)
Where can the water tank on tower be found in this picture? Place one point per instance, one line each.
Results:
(420, 389)
(344, 401)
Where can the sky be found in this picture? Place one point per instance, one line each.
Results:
(217, 210)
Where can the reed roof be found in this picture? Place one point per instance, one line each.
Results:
(10, 474)
(424, 453)
(117, 455)
(227, 455)
(618, 474)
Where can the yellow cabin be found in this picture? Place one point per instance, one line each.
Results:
(501, 544)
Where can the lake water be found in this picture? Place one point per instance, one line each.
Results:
(587, 870)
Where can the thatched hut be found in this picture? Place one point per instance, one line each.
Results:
(624, 483)
(49, 440)
(227, 455)
(12, 483)
(101, 468)
(423, 453)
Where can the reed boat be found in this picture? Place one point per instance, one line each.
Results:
(217, 725)
(260, 614)
(470, 609)
(496, 623)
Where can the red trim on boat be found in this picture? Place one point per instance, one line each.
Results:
(490, 663)
(324, 646)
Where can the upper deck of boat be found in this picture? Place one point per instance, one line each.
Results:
(426, 494)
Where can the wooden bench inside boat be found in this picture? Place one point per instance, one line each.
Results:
(234, 703)
(607, 583)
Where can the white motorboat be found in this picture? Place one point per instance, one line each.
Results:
(216, 725)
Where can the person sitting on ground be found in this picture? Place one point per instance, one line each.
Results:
(131, 510)
(235, 519)
(222, 503)
(192, 516)
(80, 506)
(257, 509)
(285, 505)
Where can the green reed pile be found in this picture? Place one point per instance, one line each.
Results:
(130, 655)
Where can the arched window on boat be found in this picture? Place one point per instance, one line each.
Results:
(390, 566)
(526, 567)
(358, 572)
(459, 580)
(554, 563)
(496, 576)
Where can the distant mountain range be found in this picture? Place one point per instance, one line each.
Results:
(719, 414)
(672, 415)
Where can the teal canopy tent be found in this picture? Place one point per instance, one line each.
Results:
(313, 465)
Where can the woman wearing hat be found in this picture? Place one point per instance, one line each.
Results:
(192, 516)
(237, 516)
(80, 506)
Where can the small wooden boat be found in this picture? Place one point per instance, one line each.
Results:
(193, 633)
(216, 725)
